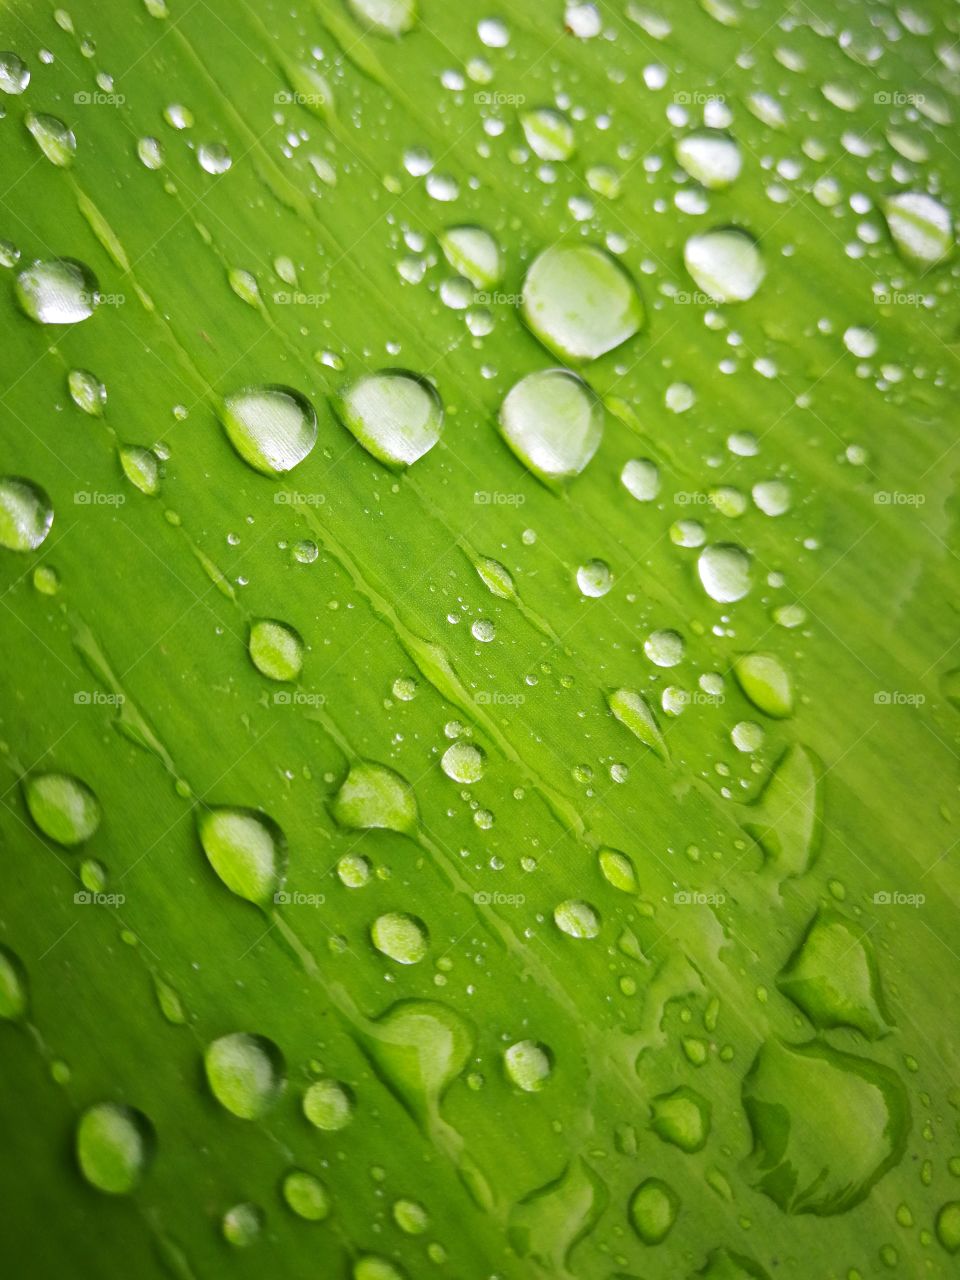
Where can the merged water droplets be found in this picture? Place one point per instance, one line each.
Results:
(725, 264)
(114, 1145)
(63, 807)
(245, 1073)
(553, 422)
(246, 849)
(580, 302)
(396, 415)
(273, 428)
(57, 291)
(26, 514)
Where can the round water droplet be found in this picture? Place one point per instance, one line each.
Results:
(273, 428)
(57, 142)
(14, 73)
(87, 392)
(747, 736)
(13, 986)
(549, 133)
(246, 849)
(725, 264)
(473, 252)
(724, 571)
(213, 158)
(306, 1195)
(772, 497)
(386, 17)
(396, 415)
(401, 937)
(353, 870)
(245, 1073)
(46, 580)
(26, 514)
(404, 688)
(114, 1145)
(58, 291)
(711, 157)
(178, 116)
(328, 1105)
(63, 807)
(577, 919)
(242, 1225)
(553, 422)
(664, 648)
(580, 302)
(275, 649)
(641, 479)
(528, 1064)
(594, 578)
(653, 1210)
(463, 762)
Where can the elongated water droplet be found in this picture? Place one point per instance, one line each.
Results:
(57, 142)
(726, 264)
(275, 649)
(87, 392)
(114, 1145)
(633, 710)
(306, 1195)
(374, 796)
(396, 415)
(328, 1105)
(577, 919)
(273, 428)
(553, 422)
(921, 227)
(766, 682)
(724, 571)
(311, 89)
(150, 152)
(618, 870)
(245, 1073)
(58, 291)
(26, 514)
(496, 578)
(549, 133)
(711, 157)
(141, 467)
(14, 73)
(580, 302)
(410, 1216)
(64, 808)
(246, 849)
(13, 986)
(401, 937)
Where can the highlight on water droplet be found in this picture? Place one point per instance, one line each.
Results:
(273, 428)
(553, 422)
(245, 1073)
(57, 291)
(580, 302)
(114, 1145)
(26, 514)
(63, 807)
(396, 415)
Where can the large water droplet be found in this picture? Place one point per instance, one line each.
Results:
(273, 428)
(577, 919)
(529, 1065)
(386, 17)
(400, 937)
(948, 1226)
(57, 142)
(246, 849)
(785, 819)
(14, 73)
(921, 227)
(653, 1210)
(328, 1105)
(463, 762)
(726, 264)
(113, 1146)
(275, 649)
(553, 422)
(26, 514)
(711, 157)
(213, 158)
(724, 571)
(63, 807)
(245, 1073)
(373, 796)
(833, 978)
(397, 416)
(580, 302)
(58, 291)
(682, 1118)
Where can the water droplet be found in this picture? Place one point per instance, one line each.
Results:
(246, 849)
(141, 467)
(9, 254)
(920, 226)
(26, 514)
(386, 17)
(13, 986)
(242, 1224)
(641, 479)
(549, 133)
(679, 397)
(529, 1065)
(483, 630)
(618, 870)
(305, 551)
(273, 428)
(577, 919)
(373, 796)
(245, 1073)
(150, 152)
(404, 688)
(59, 291)
(57, 142)
(396, 415)
(860, 342)
(496, 578)
(473, 252)
(633, 711)
(87, 392)
(948, 1226)
(275, 649)
(724, 571)
(114, 1145)
(711, 157)
(833, 977)
(63, 807)
(681, 1118)
(747, 736)
(328, 1105)
(213, 158)
(594, 578)
(772, 497)
(353, 870)
(306, 1195)
(553, 422)
(766, 682)
(785, 819)
(245, 285)
(178, 116)
(420, 1046)
(373, 1267)
(664, 648)
(493, 32)
(826, 1126)
(410, 1216)
(463, 762)
(400, 937)
(604, 181)
(580, 302)
(14, 73)
(725, 264)
(653, 1210)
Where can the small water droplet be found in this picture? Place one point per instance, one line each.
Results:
(328, 1105)
(306, 1195)
(242, 1225)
